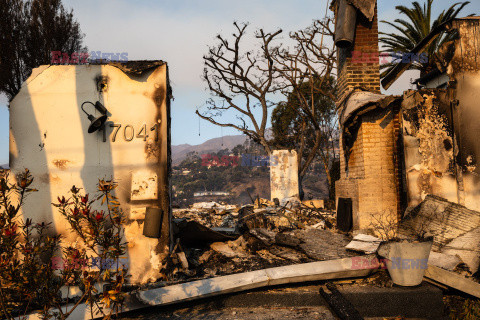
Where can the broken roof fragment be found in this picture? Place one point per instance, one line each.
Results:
(350, 109)
(366, 7)
(355, 101)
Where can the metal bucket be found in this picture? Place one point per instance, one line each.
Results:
(406, 261)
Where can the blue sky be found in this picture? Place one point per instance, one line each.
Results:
(179, 31)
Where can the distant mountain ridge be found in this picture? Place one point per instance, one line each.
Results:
(179, 152)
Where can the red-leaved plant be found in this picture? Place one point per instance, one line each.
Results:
(30, 275)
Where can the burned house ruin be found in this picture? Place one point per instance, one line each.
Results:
(396, 151)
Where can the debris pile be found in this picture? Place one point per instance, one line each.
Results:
(216, 239)
(219, 239)
(455, 230)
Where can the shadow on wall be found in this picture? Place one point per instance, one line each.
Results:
(4, 132)
(27, 141)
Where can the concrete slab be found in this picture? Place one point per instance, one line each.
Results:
(303, 313)
(224, 285)
(424, 302)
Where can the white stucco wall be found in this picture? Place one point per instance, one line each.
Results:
(284, 174)
(48, 135)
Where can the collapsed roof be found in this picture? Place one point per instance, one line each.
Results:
(352, 107)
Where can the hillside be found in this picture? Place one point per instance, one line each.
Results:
(189, 176)
(179, 152)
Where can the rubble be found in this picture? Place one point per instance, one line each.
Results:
(288, 254)
(213, 205)
(224, 249)
(287, 240)
(221, 239)
(262, 235)
(342, 307)
(364, 243)
(323, 244)
(291, 202)
(444, 261)
(454, 227)
(195, 234)
(314, 203)
(453, 280)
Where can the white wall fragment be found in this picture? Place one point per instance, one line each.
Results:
(284, 174)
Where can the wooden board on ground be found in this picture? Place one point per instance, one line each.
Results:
(364, 243)
(314, 271)
(453, 280)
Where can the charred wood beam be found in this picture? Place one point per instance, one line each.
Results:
(343, 308)
(401, 67)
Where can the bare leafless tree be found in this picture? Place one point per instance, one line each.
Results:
(305, 71)
(243, 80)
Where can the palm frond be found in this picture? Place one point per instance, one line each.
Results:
(413, 26)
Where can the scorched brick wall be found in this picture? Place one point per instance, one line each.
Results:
(371, 178)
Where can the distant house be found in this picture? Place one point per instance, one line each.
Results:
(211, 194)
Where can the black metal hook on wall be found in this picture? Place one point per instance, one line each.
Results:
(96, 122)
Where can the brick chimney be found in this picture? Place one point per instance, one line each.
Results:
(369, 186)
(358, 64)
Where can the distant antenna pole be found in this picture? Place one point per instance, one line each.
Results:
(221, 128)
(198, 124)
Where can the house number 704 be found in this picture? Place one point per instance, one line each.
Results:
(128, 132)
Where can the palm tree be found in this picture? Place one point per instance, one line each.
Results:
(415, 28)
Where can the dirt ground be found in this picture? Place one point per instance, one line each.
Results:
(309, 313)
(299, 313)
